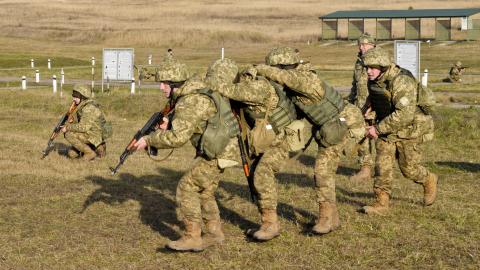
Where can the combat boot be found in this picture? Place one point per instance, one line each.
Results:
(101, 150)
(328, 219)
(270, 227)
(214, 233)
(380, 206)
(364, 174)
(191, 239)
(430, 189)
(88, 153)
(72, 153)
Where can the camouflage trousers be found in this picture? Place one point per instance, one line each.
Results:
(264, 175)
(78, 140)
(365, 152)
(196, 190)
(409, 155)
(326, 165)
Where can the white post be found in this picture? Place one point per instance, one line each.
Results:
(93, 78)
(24, 83)
(62, 80)
(49, 64)
(150, 59)
(37, 76)
(32, 63)
(93, 61)
(54, 84)
(132, 87)
(425, 77)
(223, 53)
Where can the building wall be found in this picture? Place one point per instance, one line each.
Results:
(427, 28)
(370, 27)
(456, 32)
(342, 31)
(398, 28)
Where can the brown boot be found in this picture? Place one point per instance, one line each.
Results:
(191, 239)
(270, 227)
(430, 189)
(364, 174)
(72, 153)
(380, 206)
(328, 219)
(214, 233)
(101, 150)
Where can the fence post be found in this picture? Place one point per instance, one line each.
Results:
(24, 83)
(37, 76)
(132, 87)
(54, 84)
(223, 53)
(32, 63)
(62, 78)
(150, 59)
(425, 77)
(93, 61)
(49, 64)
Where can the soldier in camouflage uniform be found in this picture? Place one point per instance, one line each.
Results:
(270, 112)
(401, 127)
(89, 129)
(333, 120)
(455, 74)
(358, 97)
(205, 118)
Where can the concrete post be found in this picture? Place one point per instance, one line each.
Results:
(54, 83)
(32, 63)
(49, 64)
(132, 87)
(150, 59)
(62, 74)
(425, 77)
(37, 76)
(24, 83)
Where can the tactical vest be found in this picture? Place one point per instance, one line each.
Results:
(219, 129)
(321, 112)
(283, 114)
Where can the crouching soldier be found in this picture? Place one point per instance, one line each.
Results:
(205, 118)
(88, 128)
(400, 129)
(333, 120)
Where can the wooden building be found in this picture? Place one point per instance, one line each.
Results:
(411, 24)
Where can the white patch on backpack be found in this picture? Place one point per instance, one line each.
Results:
(404, 101)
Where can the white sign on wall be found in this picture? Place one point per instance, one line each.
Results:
(407, 56)
(464, 26)
(117, 64)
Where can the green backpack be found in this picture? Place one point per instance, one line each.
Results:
(425, 97)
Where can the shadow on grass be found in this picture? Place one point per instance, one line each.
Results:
(464, 166)
(157, 210)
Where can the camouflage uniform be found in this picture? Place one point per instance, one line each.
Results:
(261, 98)
(358, 97)
(456, 72)
(401, 126)
(195, 191)
(88, 129)
(308, 89)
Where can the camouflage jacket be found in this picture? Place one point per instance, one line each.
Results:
(309, 88)
(455, 73)
(406, 120)
(359, 91)
(88, 118)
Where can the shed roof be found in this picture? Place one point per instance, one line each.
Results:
(410, 13)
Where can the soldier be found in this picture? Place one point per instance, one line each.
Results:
(271, 113)
(456, 72)
(401, 127)
(205, 118)
(89, 129)
(333, 121)
(358, 97)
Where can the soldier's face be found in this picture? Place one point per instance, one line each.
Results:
(373, 73)
(167, 90)
(364, 47)
(76, 100)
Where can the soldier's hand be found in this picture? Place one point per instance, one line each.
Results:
(371, 132)
(141, 144)
(64, 129)
(164, 124)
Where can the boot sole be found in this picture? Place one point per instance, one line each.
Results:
(185, 250)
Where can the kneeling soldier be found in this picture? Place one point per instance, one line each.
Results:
(88, 129)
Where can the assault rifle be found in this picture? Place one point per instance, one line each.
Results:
(155, 120)
(56, 130)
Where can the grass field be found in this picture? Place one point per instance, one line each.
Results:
(62, 214)
(65, 214)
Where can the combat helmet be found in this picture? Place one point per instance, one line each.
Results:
(366, 38)
(282, 56)
(82, 90)
(172, 71)
(222, 70)
(377, 57)
(458, 64)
